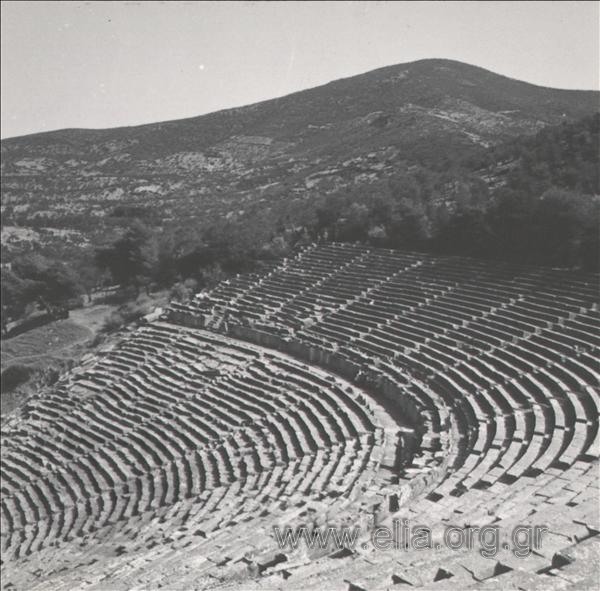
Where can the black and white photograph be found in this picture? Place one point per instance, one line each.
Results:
(300, 296)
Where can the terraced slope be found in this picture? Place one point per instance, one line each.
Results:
(259, 164)
(348, 386)
(172, 436)
(508, 353)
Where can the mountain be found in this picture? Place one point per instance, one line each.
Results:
(398, 102)
(68, 185)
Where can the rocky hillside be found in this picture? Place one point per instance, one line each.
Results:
(234, 163)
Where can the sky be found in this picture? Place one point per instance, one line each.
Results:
(109, 64)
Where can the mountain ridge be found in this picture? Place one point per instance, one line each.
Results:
(265, 165)
(435, 62)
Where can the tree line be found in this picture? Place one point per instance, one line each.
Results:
(534, 200)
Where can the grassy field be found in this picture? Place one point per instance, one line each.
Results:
(55, 345)
(52, 339)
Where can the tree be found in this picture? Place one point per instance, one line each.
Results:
(51, 281)
(407, 226)
(354, 225)
(17, 296)
(132, 258)
(15, 375)
(561, 221)
(183, 291)
(510, 219)
(166, 268)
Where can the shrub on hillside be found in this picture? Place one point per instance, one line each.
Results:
(126, 314)
(13, 376)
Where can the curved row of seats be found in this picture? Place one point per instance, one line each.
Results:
(178, 434)
(511, 350)
(166, 415)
